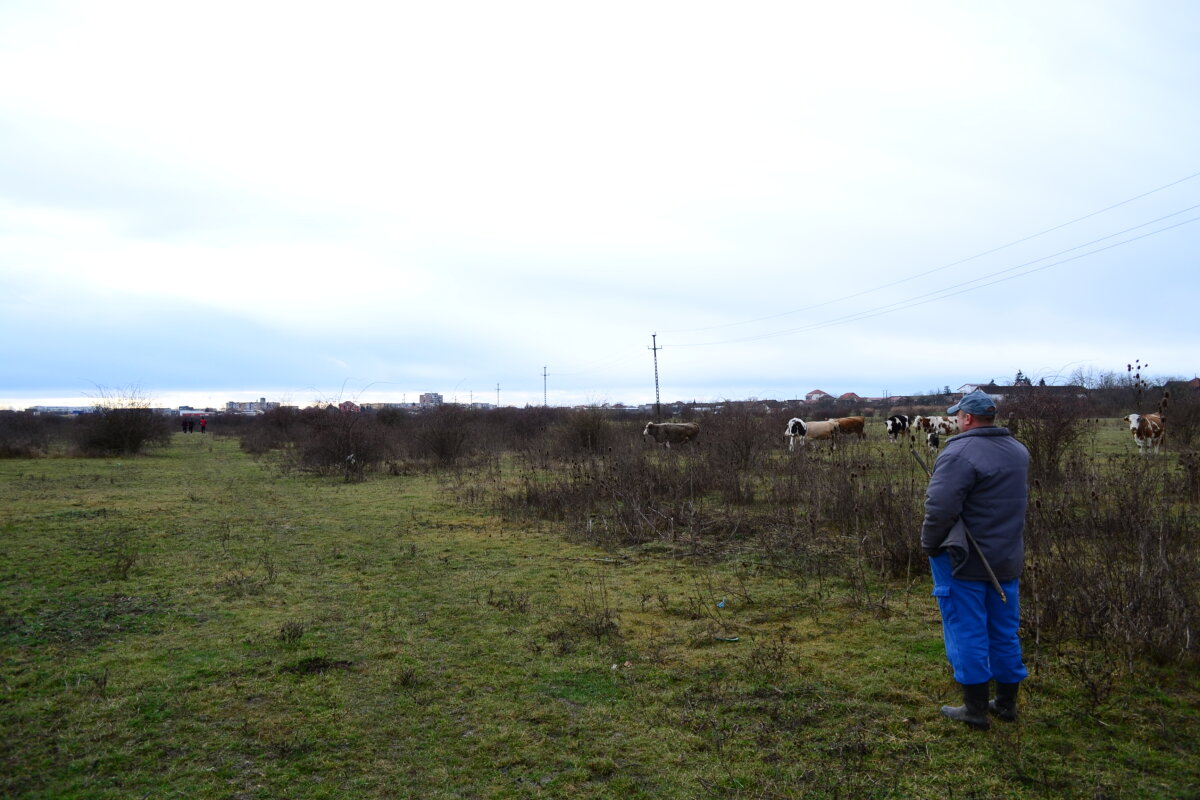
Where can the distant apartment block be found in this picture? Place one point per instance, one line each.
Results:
(259, 406)
(64, 411)
(188, 412)
(431, 399)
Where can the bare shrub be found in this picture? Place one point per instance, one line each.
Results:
(586, 490)
(1048, 425)
(124, 551)
(593, 614)
(586, 430)
(240, 584)
(121, 424)
(890, 543)
(343, 442)
(1095, 671)
(853, 509)
(508, 600)
(229, 425)
(272, 430)
(521, 430)
(23, 435)
(291, 631)
(1189, 479)
(735, 442)
(771, 658)
(1183, 418)
(443, 434)
(1114, 562)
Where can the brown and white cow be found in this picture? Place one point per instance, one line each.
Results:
(666, 433)
(1147, 430)
(943, 426)
(804, 431)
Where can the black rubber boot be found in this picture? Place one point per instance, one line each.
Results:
(1005, 704)
(974, 710)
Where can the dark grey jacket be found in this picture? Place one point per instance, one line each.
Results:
(981, 476)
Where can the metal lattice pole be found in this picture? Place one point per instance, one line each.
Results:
(657, 401)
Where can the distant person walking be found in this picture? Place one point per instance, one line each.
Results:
(975, 517)
(184, 423)
(203, 424)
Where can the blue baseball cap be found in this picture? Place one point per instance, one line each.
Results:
(977, 402)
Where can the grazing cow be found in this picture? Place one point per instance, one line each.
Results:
(1148, 431)
(897, 426)
(946, 426)
(855, 425)
(795, 429)
(666, 433)
(932, 441)
(799, 429)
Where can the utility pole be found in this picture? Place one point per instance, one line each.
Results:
(497, 395)
(544, 402)
(657, 402)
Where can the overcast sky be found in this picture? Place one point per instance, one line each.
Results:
(329, 201)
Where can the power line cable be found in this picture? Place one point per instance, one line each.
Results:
(592, 365)
(961, 261)
(927, 297)
(962, 288)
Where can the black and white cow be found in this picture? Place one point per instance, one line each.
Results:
(804, 431)
(897, 426)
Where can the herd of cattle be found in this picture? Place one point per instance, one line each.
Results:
(897, 425)
(1147, 429)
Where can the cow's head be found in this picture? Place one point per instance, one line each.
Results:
(795, 427)
(1133, 420)
(649, 427)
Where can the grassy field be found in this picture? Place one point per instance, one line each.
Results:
(195, 624)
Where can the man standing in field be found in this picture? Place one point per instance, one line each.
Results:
(979, 487)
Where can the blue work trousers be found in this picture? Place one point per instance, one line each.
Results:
(979, 629)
